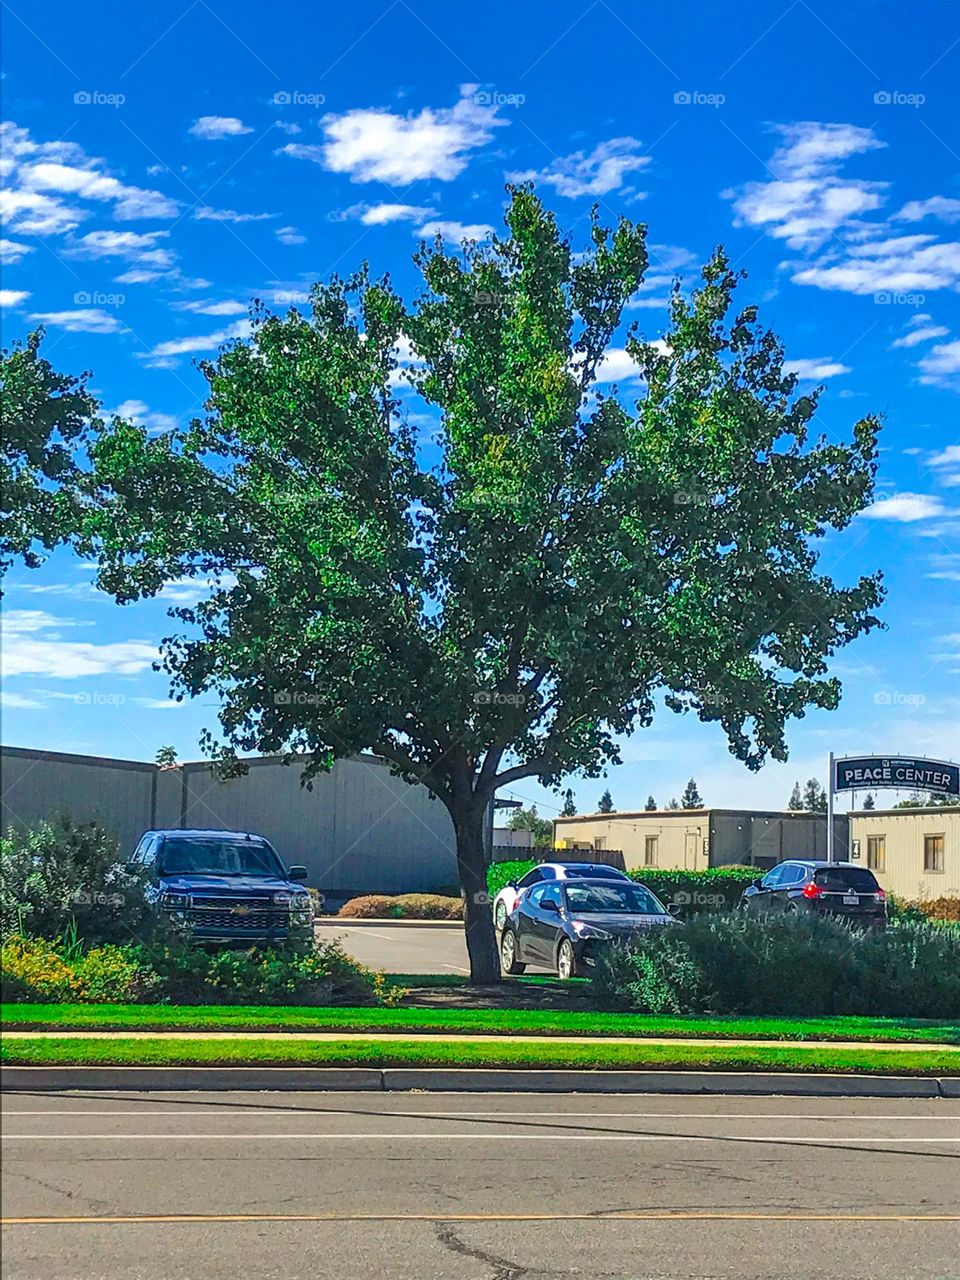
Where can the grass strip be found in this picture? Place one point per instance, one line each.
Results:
(511, 1054)
(120, 1017)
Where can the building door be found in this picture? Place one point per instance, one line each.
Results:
(691, 847)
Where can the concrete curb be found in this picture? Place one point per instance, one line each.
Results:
(399, 1080)
(377, 922)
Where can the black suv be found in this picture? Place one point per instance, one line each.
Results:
(225, 888)
(827, 888)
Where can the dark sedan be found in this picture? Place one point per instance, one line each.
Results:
(559, 926)
(822, 888)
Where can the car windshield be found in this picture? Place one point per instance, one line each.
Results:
(632, 899)
(837, 879)
(198, 857)
(593, 873)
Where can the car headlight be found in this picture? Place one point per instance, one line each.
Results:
(174, 901)
(584, 930)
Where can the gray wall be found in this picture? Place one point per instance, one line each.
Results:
(358, 829)
(765, 838)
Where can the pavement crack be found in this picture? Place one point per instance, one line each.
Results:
(501, 1269)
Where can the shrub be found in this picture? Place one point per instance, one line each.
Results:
(715, 889)
(403, 906)
(62, 875)
(944, 909)
(38, 970)
(501, 873)
(790, 966)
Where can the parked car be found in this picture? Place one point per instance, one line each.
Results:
(508, 897)
(826, 888)
(225, 888)
(559, 925)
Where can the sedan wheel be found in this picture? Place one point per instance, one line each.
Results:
(566, 961)
(508, 954)
(500, 916)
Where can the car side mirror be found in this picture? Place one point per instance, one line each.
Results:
(674, 908)
(131, 867)
(298, 873)
(550, 906)
(511, 884)
(756, 884)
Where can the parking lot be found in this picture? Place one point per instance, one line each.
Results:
(401, 948)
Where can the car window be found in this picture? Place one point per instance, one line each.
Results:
(532, 877)
(594, 873)
(551, 893)
(792, 873)
(836, 879)
(548, 873)
(613, 896)
(199, 855)
(772, 878)
(535, 894)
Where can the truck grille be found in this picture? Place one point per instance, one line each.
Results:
(227, 904)
(256, 921)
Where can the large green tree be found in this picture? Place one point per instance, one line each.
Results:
(514, 609)
(46, 417)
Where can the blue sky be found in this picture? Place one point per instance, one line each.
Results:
(164, 164)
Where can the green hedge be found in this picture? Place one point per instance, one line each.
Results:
(791, 966)
(716, 889)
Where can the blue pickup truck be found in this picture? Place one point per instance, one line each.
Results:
(225, 888)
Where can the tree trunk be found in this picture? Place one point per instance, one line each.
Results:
(478, 917)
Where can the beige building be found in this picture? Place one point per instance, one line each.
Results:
(695, 839)
(914, 852)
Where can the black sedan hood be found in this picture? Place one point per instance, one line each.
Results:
(622, 923)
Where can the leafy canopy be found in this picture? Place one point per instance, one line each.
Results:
(516, 607)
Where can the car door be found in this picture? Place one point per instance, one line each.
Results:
(527, 911)
(546, 925)
(766, 895)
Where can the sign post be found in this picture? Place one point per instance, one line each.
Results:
(831, 782)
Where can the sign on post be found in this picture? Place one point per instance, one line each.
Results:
(903, 773)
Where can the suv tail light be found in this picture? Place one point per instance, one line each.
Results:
(812, 890)
(881, 894)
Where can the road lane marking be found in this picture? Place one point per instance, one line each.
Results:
(510, 1136)
(600, 1216)
(252, 1111)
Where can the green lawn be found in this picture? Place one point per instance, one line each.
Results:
(511, 1053)
(464, 1021)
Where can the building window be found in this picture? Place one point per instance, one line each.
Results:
(933, 853)
(599, 842)
(876, 852)
(650, 851)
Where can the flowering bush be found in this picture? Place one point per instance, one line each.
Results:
(35, 969)
(403, 906)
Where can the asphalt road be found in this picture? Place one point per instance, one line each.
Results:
(478, 1187)
(403, 948)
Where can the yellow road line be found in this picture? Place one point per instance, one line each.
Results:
(670, 1216)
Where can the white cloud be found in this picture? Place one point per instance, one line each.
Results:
(455, 230)
(807, 199)
(18, 701)
(80, 320)
(815, 369)
(948, 457)
(210, 128)
(925, 334)
(286, 127)
(33, 214)
(290, 235)
(203, 214)
(942, 207)
(13, 297)
(617, 366)
(90, 184)
(140, 247)
(34, 645)
(137, 411)
(376, 145)
(594, 174)
(899, 265)
(11, 251)
(941, 364)
(207, 308)
(201, 342)
(905, 508)
(378, 215)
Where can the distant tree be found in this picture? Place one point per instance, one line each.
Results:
(529, 820)
(814, 797)
(569, 808)
(932, 800)
(606, 803)
(46, 416)
(166, 757)
(869, 802)
(673, 803)
(913, 801)
(796, 799)
(691, 798)
(651, 804)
